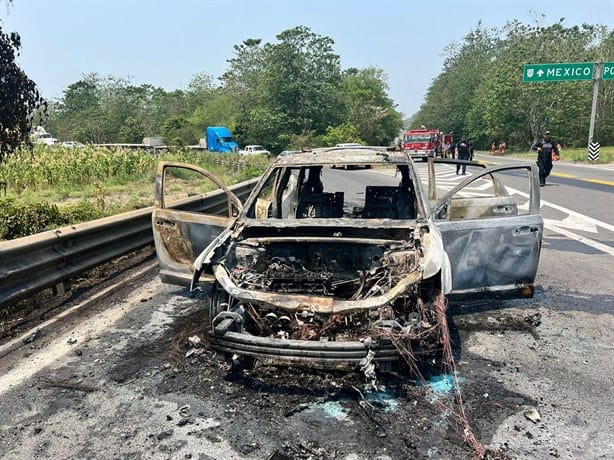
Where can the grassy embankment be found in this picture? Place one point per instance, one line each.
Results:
(60, 186)
(576, 155)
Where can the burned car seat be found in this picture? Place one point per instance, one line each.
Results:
(320, 205)
(388, 203)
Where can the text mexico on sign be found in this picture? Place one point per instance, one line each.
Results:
(569, 71)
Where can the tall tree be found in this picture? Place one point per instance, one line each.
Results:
(480, 90)
(302, 76)
(368, 106)
(450, 96)
(242, 92)
(19, 97)
(519, 112)
(604, 124)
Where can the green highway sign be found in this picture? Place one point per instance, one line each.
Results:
(608, 71)
(569, 71)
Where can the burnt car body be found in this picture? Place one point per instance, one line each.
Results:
(340, 268)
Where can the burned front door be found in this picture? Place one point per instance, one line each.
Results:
(192, 208)
(492, 230)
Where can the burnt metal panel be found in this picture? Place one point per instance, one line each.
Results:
(493, 255)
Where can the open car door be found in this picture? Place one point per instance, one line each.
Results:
(192, 208)
(492, 231)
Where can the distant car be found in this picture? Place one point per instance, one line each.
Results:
(72, 144)
(348, 144)
(338, 268)
(47, 139)
(254, 150)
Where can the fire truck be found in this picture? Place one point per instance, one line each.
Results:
(424, 143)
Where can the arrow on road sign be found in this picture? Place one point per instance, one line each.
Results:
(564, 71)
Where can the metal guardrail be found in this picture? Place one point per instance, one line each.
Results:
(33, 263)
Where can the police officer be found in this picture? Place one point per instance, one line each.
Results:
(544, 148)
(462, 153)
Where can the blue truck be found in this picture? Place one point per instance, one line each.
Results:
(219, 139)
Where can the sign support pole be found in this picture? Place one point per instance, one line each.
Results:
(596, 81)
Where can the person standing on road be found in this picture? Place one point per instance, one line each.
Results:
(502, 147)
(462, 153)
(545, 147)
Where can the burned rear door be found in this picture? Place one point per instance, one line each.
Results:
(192, 207)
(492, 230)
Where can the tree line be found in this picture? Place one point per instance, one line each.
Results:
(293, 93)
(480, 92)
(286, 94)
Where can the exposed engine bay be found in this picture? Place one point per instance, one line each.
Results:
(343, 270)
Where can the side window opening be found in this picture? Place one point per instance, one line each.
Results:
(498, 194)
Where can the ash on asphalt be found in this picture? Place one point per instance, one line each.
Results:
(296, 413)
(153, 401)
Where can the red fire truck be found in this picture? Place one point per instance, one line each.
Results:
(423, 142)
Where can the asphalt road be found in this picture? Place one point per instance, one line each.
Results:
(584, 188)
(577, 202)
(115, 382)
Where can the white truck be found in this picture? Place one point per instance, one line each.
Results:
(153, 141)
(254, 150)
(40, 136)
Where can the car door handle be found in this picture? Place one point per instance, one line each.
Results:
(165, 223)
(525, 230)
(506, 209)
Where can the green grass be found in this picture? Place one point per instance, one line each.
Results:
(576, 155)
(64, 175)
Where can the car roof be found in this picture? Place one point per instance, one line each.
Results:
(343, 155)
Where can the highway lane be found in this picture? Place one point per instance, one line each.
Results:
(119, 381)
(587, 189)
(577, 202)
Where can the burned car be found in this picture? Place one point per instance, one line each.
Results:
(344, 267)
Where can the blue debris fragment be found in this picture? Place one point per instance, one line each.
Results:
(442, 384)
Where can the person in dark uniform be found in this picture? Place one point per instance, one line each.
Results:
(545, 147)
(462, 153)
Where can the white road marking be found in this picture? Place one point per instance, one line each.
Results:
(575, 221)
(553, 225)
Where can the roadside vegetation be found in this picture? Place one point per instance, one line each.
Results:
(59, 186)
(480, 92)
(292, 92)
(286, 94)
(577, 155)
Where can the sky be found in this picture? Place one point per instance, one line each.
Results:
(166, 42)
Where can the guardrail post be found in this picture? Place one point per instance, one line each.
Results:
(61, 288)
